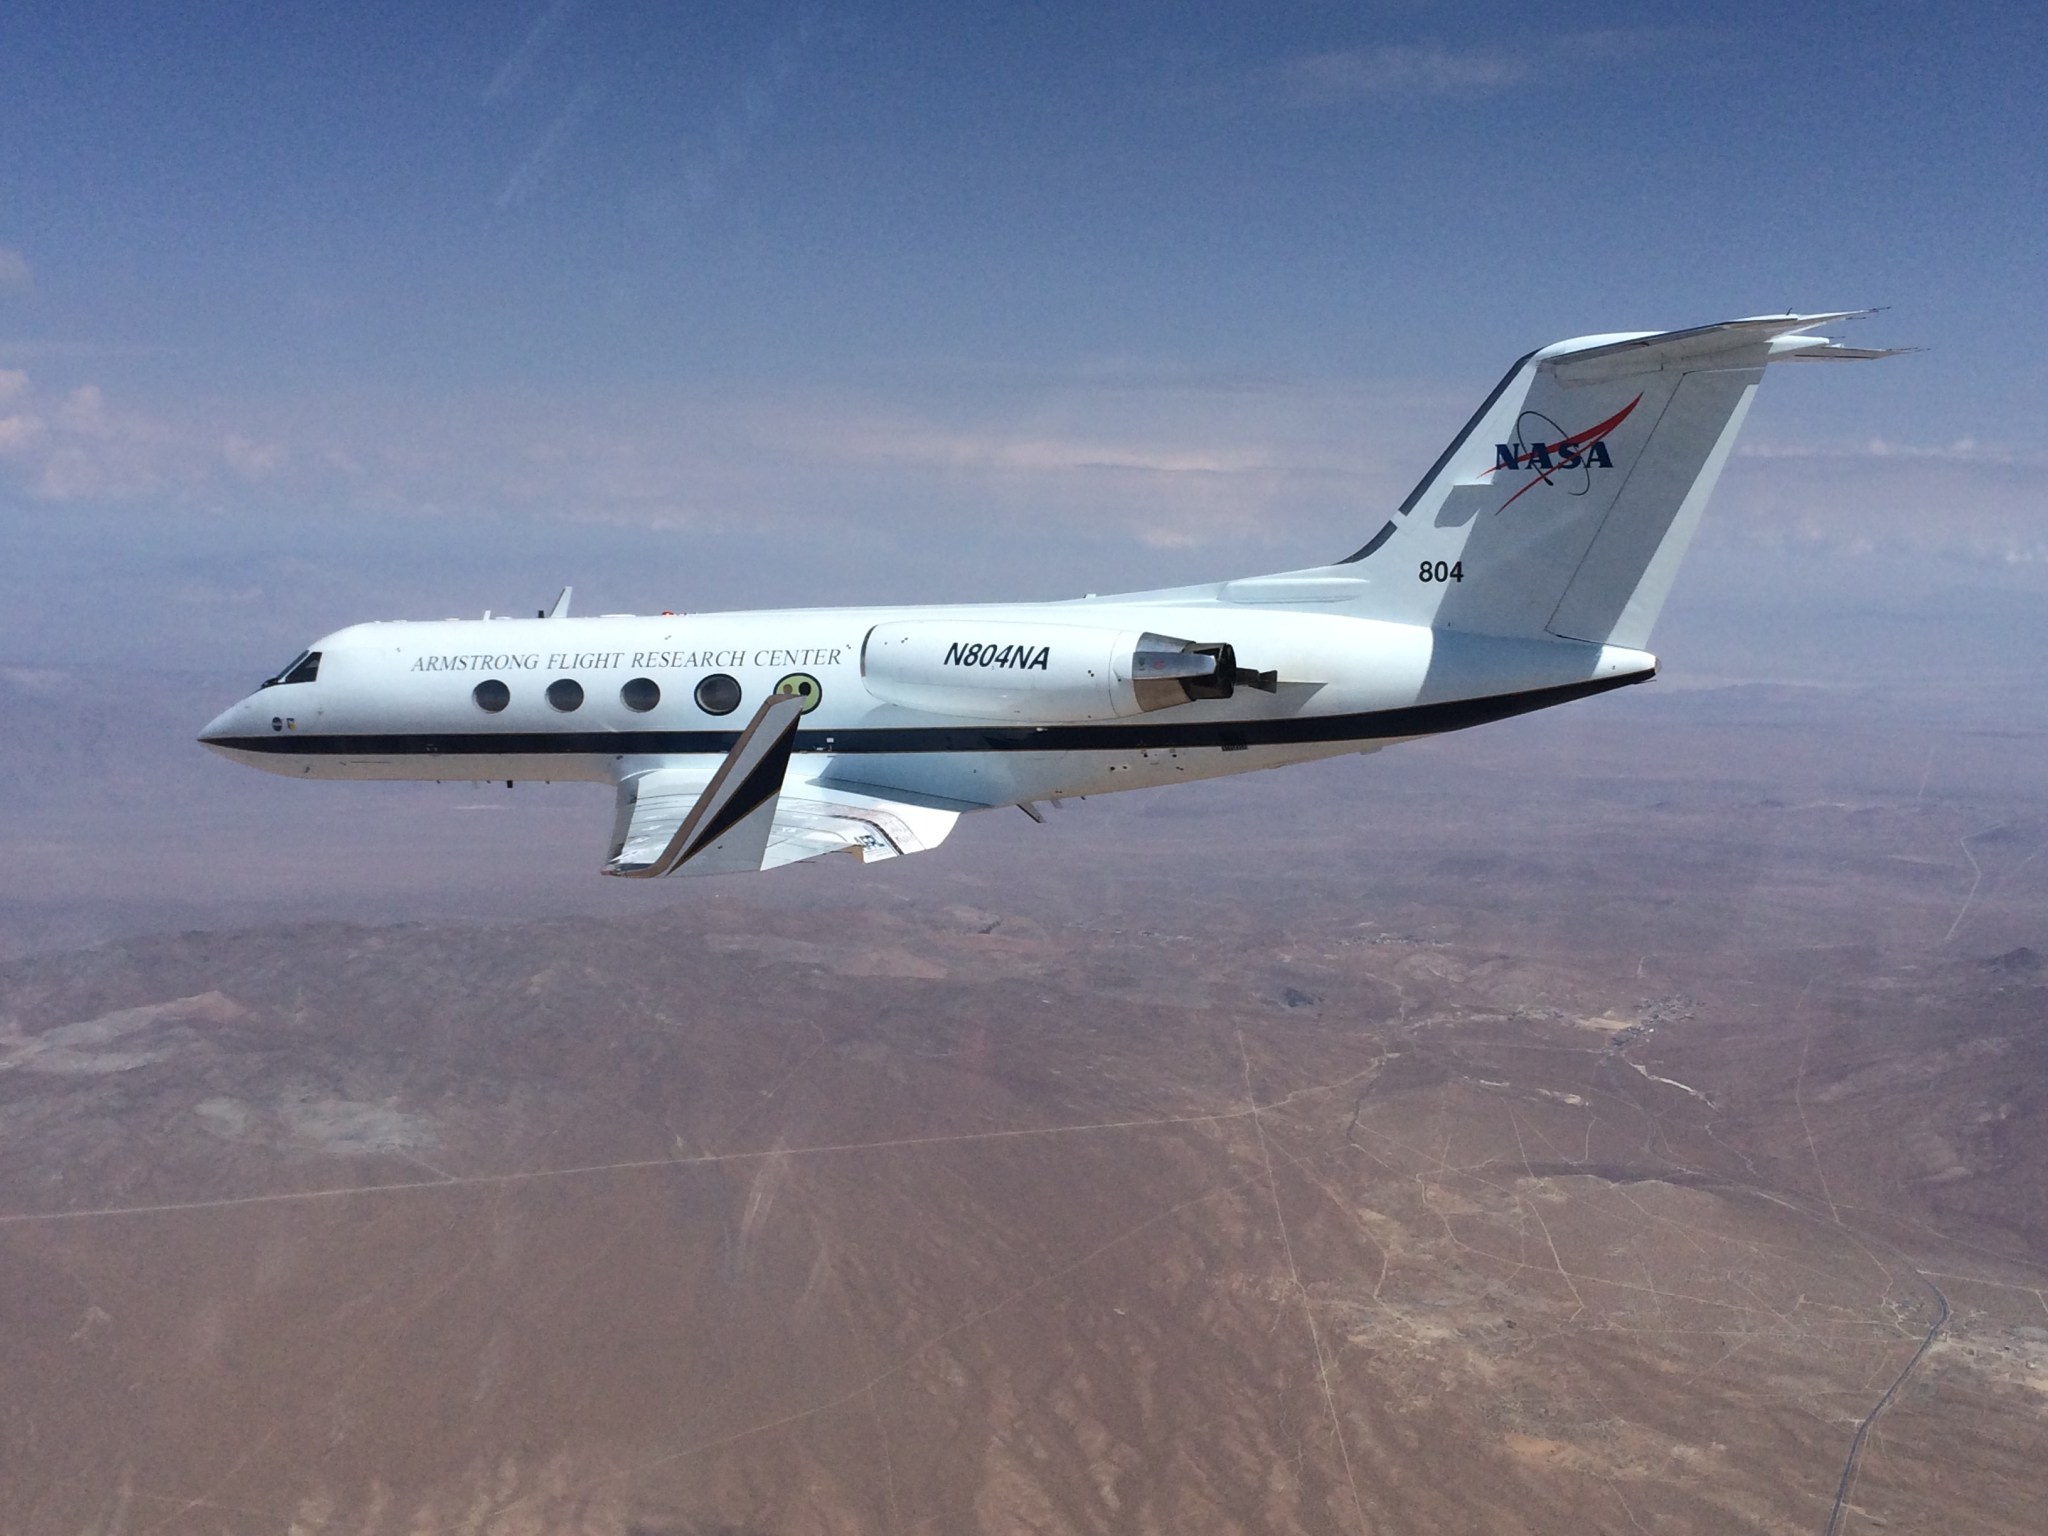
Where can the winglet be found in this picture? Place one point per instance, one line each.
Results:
(561, 608)
(727, 829)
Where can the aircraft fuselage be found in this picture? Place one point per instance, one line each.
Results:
(401, 700)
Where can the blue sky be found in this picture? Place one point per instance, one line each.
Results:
(316, 313)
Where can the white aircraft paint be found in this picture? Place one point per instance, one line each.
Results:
(1525, 570)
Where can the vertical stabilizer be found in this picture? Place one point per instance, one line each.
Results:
(1566, 504)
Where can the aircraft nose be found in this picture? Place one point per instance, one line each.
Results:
(223, 726)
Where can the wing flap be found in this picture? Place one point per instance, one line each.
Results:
(820, 816)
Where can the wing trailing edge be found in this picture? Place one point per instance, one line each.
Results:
(821, 816)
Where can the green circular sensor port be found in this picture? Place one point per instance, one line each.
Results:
(804, 686)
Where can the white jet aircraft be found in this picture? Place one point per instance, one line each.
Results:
(1525, 570)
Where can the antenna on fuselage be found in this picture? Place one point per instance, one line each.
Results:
(561, 608)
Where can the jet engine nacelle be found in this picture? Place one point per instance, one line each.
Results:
(1043, 672)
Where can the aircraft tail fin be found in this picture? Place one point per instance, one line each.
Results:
(1565, 505)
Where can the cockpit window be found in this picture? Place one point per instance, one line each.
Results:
(302, 668)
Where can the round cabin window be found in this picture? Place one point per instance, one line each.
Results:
(718, 694)
(565, 694)
(640, 695)
(491, 696)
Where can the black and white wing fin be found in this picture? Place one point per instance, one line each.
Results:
(669, 818)
(712, 816)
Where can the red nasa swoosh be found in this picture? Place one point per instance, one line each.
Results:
(1573, 441)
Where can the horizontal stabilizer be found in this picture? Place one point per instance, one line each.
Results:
(1830, 352)
(1669, 349)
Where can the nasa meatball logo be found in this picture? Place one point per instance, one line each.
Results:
(801, 685)
(1562, 460)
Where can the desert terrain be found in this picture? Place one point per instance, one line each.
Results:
(1630, 1119)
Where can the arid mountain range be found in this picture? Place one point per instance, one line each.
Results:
(1631, 1120)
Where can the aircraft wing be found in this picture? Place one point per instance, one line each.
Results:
(820, 816)
(745, 812)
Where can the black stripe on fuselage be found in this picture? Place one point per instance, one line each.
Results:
(1117, 736)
